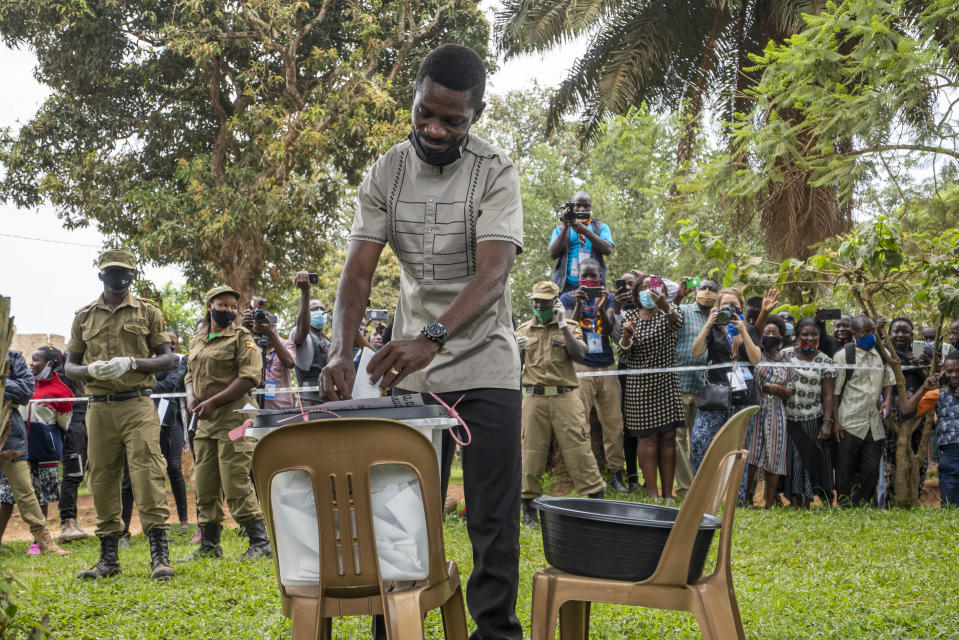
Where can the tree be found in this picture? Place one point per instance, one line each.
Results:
(218, 136)
(689, 57)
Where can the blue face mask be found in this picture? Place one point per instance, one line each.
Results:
(789, 328)
(867, 342)
(317, 319)
(646, 299)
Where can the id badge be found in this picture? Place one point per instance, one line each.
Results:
(746, 373)
(574, 267)
(594, 343)
(270, 388)
(736, 380)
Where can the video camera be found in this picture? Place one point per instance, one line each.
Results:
(568, 212)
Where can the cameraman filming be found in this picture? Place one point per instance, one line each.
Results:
(578, 238)
(277, 355)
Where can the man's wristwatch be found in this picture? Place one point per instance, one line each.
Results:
(435, 332)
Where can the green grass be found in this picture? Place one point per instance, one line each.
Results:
(819, 574)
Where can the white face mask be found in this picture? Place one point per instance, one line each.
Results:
(45, 373)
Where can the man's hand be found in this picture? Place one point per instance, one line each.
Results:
(337, 377)
(578, 227)
(115, 368)
(262, 328)
(622, 297)
(302, 280)
(398, 359)
(559, 311)
(204, 409)
(521, 342)
(837, 432)
(246, 319)
(94, 369)
(825, 431)
(931, 383)
(683, 290)
(603, 300)
(770, 300)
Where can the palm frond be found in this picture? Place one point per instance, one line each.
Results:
(525, 26)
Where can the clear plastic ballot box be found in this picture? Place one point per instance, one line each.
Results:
(399, 522)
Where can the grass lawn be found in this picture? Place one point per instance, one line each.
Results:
(819, 574)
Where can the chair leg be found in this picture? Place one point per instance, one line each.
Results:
(404, 619)
(544, 610)
(716, 610)
(574, 620)
(307, 624)
(454, 617)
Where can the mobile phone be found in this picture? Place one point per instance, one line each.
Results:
(693, 282)
(655, 282)
(314, 277)
(828, 314)
(381, 315)
(620, 284)
(593, 292)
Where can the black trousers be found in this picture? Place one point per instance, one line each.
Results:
(171, 445)
(491, 481)
(857, 469)
(74, 460)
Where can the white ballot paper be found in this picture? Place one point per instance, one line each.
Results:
(361, 385)
(161, 408)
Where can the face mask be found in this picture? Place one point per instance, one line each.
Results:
(596, 284)
(437, 158)
(543, 316)
(867, 342)
(706, 298)
(789, 328)
(317, 319)
(117, 279)
(772, 342)
(808, 347)
(223, 318)
(646, 299)
(47, 371)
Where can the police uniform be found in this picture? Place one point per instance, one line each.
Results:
(222, 465)
(121, 417)
(551, 406)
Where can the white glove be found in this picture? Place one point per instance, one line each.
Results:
(94, 369)
(559, 311)
(521, 342)
(115, 368)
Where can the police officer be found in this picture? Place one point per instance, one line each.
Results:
(549, 346)
(224, 365)
(111, 344)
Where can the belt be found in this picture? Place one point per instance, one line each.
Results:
(538, 390)
(116, 397)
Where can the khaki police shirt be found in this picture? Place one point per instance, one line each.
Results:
(213, 364)
(547, 363)
(133, 329)
(433, 218)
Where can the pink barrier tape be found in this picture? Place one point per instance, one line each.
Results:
(455, 414)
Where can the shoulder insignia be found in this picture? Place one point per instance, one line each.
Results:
(250, 345)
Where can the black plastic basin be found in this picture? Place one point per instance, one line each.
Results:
(613, 539)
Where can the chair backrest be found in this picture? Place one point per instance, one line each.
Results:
(716, 481)
(338, 454)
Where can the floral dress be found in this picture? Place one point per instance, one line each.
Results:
(768, 446)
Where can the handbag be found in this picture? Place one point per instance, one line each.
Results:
(714, 397)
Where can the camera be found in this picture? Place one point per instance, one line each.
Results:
(379, 315)
(313, 277)
(261, 316)
(828, 314)
(726, 313)
(569, 212)
(261, 341)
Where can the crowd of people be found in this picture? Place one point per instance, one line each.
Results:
(684, 368)
(663, 374)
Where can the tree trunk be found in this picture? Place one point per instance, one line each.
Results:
(6, 338)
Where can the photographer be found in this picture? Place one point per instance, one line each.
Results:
(312, 345)
(277, 357)
(578, 238)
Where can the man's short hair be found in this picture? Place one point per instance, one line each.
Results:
(859, 323)
(754, 303)
(455, 67)
(591, 262)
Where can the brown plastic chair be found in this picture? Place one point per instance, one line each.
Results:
(711, 598)
(338, 454)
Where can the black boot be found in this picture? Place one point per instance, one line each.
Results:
(634, 484)
(259, 542)
(616, 482)
(160, 568)
(109, 564)
(209, 543)
(597, 495)
(530, 516)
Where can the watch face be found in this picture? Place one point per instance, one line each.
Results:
(435, 330)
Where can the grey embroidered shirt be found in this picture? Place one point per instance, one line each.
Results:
(433, 218)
